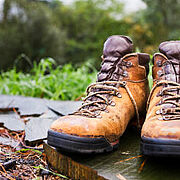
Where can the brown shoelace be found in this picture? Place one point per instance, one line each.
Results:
(98, 98)
(168, 97)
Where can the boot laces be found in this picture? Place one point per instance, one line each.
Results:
(99, 97)
(100, 94)
(172, 110)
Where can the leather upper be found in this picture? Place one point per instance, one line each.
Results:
(116, 109)
(162, 120)
(115, 47)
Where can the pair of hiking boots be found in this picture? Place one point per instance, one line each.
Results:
(120, 95)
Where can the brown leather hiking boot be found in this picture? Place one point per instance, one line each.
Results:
(161, 130)
(119, 94)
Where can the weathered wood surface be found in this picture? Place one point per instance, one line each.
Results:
(107, 165)
(124, 163)
(68, 167)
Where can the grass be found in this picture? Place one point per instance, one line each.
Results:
(45, 81)
(150, 76)
(60, 83)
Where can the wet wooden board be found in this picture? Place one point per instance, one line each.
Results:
(124, 163)
(68, 167)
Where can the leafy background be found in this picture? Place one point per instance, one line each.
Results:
(31, 31)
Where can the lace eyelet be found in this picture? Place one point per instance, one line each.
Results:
(160, 93)
(106, 111)
(129, 64)
(160, 73)
(124, 83)
(99, 117)
(161, 111)
(113, 103)
(158, 111)
(159, 63)
(164, 111)
(125, 74)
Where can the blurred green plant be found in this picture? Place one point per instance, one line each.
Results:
(64, 83)
(45, 81)
(150, 78)
(34, 29)
(27, 27)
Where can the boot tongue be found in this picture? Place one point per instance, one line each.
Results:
(114, 49)
(171, 49)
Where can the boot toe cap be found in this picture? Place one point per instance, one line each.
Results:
(77, 125)
(162, 129)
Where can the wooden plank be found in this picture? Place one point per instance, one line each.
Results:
(69, 167)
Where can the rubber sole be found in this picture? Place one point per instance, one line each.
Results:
(76, 144)
(160, 147)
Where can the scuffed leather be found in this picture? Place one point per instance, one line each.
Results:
(154, 126)
(115, 47)
(171, 49)
(114, 119)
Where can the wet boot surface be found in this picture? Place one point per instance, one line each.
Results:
(161, 130)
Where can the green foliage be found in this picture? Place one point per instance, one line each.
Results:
(35, 29)
(163, 19)
(60, 83)
(64, 83)
(150, 78)
(88, 25)
(25, 150)
(68, 33)
(28, 27)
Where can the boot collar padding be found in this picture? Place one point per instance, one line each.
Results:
(171, 49)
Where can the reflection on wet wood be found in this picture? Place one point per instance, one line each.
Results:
(69, 167)
(119, 176)
(128, 159)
